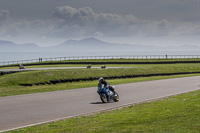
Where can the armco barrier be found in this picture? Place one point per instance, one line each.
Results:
(39, 60)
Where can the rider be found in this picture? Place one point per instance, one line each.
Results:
(106, 84)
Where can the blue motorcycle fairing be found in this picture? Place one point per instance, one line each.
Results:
(103, 89)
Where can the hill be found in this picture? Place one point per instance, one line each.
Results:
(95, 44)
(11, 46)
(92, 44)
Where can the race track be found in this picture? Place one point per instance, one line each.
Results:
(26, 110)
(56, 68)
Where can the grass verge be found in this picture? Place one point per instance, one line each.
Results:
(175, 114)
(29, 77)
(10, 84)
(19, 90)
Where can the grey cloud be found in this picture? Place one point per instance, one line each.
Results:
(187, 28)
(72, 22)
(4, 15)
(23, 27)
(74, 16)
(86, 15)
(84, 21)
(90, 22)
(157, 28)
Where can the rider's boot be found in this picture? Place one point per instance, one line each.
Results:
(108, 96)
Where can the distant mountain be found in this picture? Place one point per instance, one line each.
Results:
(11, 46)
(91, 44)
(95, 44)
(84, 44)
(6, 43)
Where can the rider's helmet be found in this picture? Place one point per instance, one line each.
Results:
(100, 80)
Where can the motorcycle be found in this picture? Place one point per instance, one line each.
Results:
(106, 94)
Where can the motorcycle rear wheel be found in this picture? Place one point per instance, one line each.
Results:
(104, 98)
(116, 97)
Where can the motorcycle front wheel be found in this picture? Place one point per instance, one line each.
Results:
(103, 98)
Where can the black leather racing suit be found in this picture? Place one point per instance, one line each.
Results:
(107, 85)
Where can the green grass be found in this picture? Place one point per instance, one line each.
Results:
(104, 61)
(47, 75)
(71, 65)
(10, 84)
(19, 90)
(177, 114)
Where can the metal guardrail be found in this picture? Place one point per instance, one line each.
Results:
(100, 57)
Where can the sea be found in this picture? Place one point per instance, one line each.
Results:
(17, 56)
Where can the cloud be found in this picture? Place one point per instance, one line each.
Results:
(74, 16)
(99, 34)
(90, 22)
(187, 28)
(4, 15)
(72, 22)
(24, 28)
(156, 28)
(68, 22)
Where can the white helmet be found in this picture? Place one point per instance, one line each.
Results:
(101, 79)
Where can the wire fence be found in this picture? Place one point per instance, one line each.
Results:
(100, 57)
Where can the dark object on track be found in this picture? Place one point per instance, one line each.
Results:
(89, 66)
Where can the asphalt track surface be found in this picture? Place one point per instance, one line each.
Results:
(53, 68)
(31, 109)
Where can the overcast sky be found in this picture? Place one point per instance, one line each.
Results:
(147, 22)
